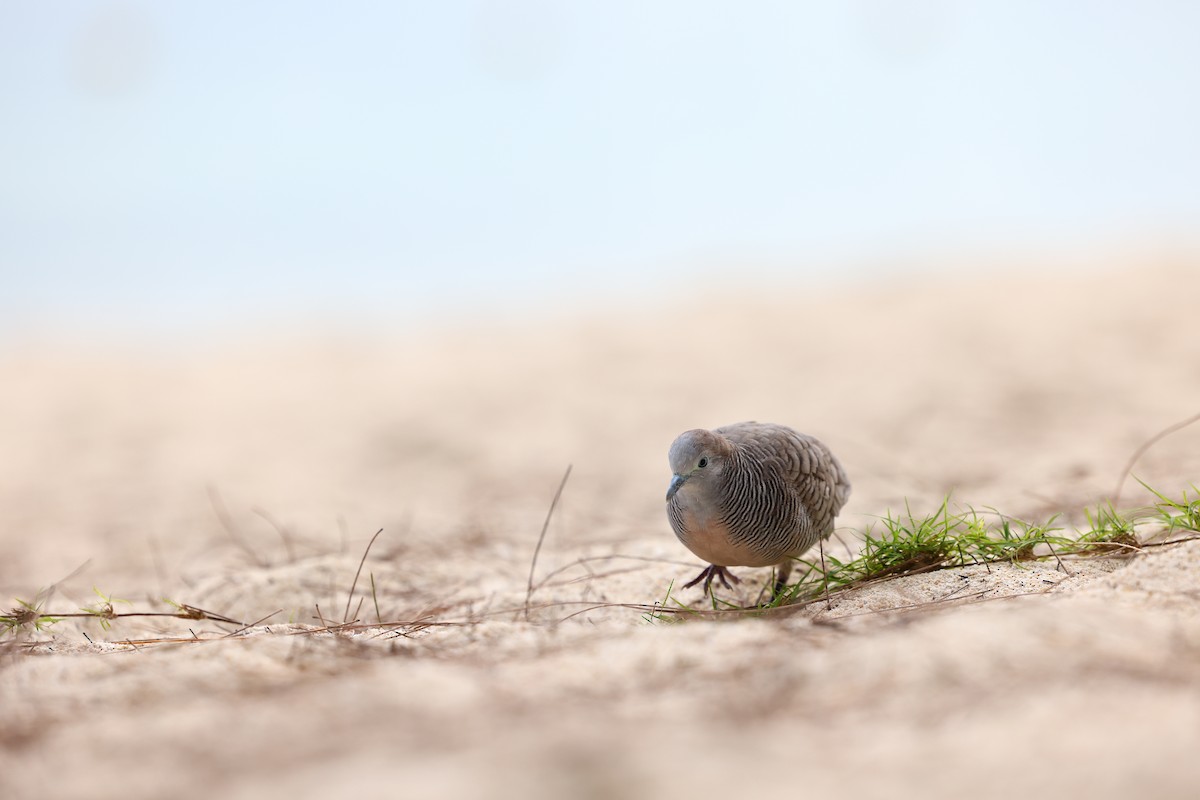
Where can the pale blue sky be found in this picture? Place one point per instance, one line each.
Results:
(166, 163)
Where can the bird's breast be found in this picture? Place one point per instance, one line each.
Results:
(706, 535)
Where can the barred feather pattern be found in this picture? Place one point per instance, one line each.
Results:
(781, 491)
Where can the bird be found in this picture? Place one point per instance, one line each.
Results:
(752, 494)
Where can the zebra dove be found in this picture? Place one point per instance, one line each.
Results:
(752, 495)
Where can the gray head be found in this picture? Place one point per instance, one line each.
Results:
(697, 456)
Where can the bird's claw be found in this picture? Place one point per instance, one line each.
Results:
(710, 572)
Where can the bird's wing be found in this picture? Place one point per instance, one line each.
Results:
(805, 462)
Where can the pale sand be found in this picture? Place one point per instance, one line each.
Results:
(1024, 393)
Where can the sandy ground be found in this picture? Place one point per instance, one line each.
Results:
(247, 475)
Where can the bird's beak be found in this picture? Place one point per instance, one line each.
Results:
(676, 482)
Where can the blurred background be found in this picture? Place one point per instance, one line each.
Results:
(179, 167)
(398, 265)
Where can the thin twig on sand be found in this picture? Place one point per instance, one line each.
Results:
(542, 538)
(363, 560)
(1153, 440)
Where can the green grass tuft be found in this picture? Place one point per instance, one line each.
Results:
(909, 543)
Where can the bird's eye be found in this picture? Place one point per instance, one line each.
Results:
(703, 463)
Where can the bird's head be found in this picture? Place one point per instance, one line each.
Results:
(696, 456)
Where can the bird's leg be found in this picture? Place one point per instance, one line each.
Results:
(825, 576)
(781, 576)
(713, 571)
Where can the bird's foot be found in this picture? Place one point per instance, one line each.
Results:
(710, 572)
